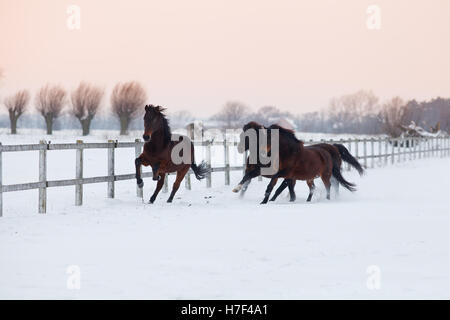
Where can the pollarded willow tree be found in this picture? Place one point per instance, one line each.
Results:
(85, 104)
(16, 105)
(127, 100)
(50, 101)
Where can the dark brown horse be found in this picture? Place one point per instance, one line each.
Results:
(297, 162)
(253, 170)
(337, 152)
(158, 153)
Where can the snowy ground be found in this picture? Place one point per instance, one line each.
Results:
(211, 244)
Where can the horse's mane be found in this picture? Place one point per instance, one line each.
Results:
(252, 125)
(287, 133)
(167, 133)
(289, 137)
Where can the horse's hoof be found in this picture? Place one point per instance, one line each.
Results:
(169, 200)
(140, 184)
(263, 202)
(237, 189)
(155, 178)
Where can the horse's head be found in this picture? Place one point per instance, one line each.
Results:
(153, 120)
(244, 144)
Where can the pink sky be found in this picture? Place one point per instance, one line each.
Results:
(197, 54)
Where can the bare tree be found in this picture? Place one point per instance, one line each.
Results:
(393, 114)
(16, 105)
(233, 114)
(179, 119)
(85, 104)
(50, 102)
(127, 100)
(350, 110)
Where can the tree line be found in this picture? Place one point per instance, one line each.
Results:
(83, 103)
(358, 113)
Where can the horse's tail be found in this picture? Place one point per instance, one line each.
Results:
(347, 157)
(336, 171)
(200, 170)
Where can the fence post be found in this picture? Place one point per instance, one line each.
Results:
(379, 152)
(386, 145)
(226, 151)
(43, 177)
(137, 153)
(187, 180)
(419, 147)
(1, 182)
(430, 147)
(79, 174)
(111, 168)
(410, 146)
(393, 151)
(365, 152)
(166, 184)
(208, 161)
(405, 147)
(372, 147)
(356, 149)
(399, 159)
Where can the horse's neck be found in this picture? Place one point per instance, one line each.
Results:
(159, 139)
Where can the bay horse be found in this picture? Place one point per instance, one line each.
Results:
(337, 151)
(338, 154)
(157, 153)
(297, 162)
(253, 170)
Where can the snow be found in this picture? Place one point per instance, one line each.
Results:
(210, 244)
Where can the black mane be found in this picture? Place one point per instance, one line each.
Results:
(288, 136)
(166, 132)
(287, 133)
(166, 129)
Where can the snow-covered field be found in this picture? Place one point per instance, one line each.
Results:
(388, 240)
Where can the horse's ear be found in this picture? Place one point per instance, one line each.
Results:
(160, 109)
(147, 107)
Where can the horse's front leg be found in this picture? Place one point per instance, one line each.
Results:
(159, 186)
(138, 163)
(248, 176)
(155, 169)
(280, 189)
(270, 186)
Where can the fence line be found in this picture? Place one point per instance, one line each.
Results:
(402, 149)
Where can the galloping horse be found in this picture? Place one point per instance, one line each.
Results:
(337, 152)
(303, 163)
(253, 170)
(158, 153)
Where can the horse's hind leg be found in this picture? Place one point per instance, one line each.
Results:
(159, 186)
(280, 189)
(176, 184)
(335, 185)
(312, 187)
(327, 183)
(291, 185)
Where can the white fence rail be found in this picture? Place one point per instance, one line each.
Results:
(375, 152)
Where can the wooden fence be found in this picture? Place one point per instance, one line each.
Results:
(375, 152)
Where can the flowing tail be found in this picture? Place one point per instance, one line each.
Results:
(336, 171)
(200, 170)
(347, 157)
